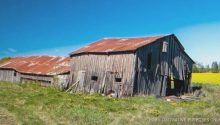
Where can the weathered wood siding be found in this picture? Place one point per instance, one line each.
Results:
(9, 75)
(152, 76)
(105, 68)
(148, 71)
(43, 80)
(175, 60)
(62, 80)
(180, 64)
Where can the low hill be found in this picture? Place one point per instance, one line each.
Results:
(34, 104)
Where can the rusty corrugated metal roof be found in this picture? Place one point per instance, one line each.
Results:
(43, 65)
(117, 44)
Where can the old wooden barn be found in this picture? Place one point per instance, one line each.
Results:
(132, 66)
(46, 70)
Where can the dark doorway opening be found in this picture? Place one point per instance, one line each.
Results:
(175, 87)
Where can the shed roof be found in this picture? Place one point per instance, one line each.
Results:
(117, 44)
(42, 65)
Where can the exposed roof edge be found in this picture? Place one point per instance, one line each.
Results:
(104, 53)
(163, 35)
(189, 57)
(183, 49)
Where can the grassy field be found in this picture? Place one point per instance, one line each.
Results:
(32, 104)
(213, 78)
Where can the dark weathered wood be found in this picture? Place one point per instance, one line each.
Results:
(148, 70)
(106, 68)
(11, 75)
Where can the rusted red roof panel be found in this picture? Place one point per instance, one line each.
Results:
(43, 65)
(117, 44)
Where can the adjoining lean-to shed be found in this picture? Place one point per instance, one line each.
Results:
(132, 66)
(46, 70)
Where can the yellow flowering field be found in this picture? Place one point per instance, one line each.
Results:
(212, 78)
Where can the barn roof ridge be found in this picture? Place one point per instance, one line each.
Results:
(116, 44)
(134, 37)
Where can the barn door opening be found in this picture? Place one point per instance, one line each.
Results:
(170, 90)
(93, 83)
(174, 86)
(81, 79)
(187, 76)
(111, 84)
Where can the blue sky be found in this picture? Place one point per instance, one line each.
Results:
(57, 27)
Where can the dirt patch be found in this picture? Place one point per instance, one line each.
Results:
(6, 118)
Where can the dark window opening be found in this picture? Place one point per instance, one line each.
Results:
(94, 78)
(29, 80)
(149, 59)
(15, 73)
(44, 81)
(118, 79)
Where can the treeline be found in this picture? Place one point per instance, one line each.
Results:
(200, 68)
(4, 59)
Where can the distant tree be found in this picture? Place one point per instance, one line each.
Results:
(201, 67)
(4, 59)
(215, 67)
(218, 67)
(195, 68)
(207, 68)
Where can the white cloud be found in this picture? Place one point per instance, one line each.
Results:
(12, 50)
(202, 42)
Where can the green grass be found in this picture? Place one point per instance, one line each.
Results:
(33, 104)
